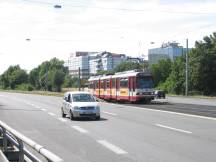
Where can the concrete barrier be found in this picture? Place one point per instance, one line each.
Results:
(2, 157)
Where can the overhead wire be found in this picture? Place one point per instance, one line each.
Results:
(127, 9)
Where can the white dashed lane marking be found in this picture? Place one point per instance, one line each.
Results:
(109, 113)
(175, 129)
(63, 120)
(81, 130)
(52, 114)
(112, 147)
(43, 110)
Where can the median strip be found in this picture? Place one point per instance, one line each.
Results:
(175, 129)
(112, 147)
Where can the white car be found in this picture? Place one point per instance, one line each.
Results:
(80, 104)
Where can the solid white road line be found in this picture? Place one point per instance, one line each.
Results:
(105, 112)
(112, 147)
(175, 129)
(52, 114)
(164, 111)
(63, 120)
(44, 109)
(81, 130)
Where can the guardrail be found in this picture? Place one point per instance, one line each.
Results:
(11, 138)
(2, 157)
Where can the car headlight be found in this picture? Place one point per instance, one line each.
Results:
(76, 108)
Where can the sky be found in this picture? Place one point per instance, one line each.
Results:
(33, 31)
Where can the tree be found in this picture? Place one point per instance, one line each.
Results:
(57, 80)
(49, 75)
(106, 72)
(161, 71)
(127, 66)
(34, 78)
(14, 76)
(175, 83)
(203, 65)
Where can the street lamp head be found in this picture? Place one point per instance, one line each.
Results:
(57, 6)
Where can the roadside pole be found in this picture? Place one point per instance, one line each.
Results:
(186, 69)
(79, 79)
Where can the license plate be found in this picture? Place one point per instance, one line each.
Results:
(88, 112)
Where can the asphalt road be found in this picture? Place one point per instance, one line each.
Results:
(126, 133)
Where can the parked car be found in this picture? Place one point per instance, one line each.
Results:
(79, 105)
(159, 94)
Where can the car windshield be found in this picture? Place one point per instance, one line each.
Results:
(144, 82)
(83, 98)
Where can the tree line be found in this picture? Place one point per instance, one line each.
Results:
(50, 75)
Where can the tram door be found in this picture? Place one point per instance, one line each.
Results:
(131, 88)
(117, 88)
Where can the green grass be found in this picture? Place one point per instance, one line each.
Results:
(45, 93)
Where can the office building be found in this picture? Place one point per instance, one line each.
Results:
(92, 62)
(169, 50)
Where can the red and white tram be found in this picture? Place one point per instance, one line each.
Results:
(130, 86)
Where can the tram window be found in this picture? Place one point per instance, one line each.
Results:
(102, 84)
(90, 85)
(117, 83)
(107, 84)
(113, 83)
(96, 84)
(134, 84)
(124, 82)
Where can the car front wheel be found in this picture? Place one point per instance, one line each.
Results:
(62, 113)
(97, 118)
(71, 116)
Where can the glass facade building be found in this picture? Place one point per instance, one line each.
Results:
(170, 50)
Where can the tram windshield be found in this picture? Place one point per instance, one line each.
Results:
(144, 82)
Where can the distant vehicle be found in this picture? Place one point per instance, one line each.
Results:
(79, 105)
(131, 86)
(159, 94)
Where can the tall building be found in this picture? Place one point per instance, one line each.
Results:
(104, 61)
(79, 60)
(92, 62)
(169, 50)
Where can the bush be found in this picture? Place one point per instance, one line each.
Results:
(24, 87)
